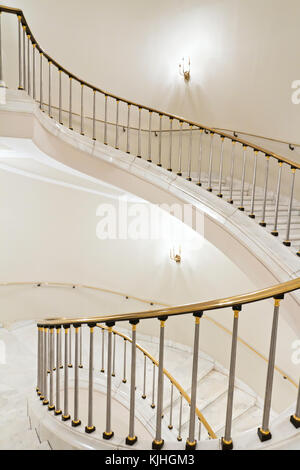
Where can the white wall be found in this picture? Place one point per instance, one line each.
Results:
(243, 55)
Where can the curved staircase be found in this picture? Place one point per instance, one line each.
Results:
(189, 150)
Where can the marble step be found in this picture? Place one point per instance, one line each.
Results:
(24, 440)
(215, 412)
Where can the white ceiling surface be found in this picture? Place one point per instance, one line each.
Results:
(23, 157)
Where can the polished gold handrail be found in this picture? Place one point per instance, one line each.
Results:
(82, 286)
(170, 377)
(18, 12)
(237, 300)
(249, 134)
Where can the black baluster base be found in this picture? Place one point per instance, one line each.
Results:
(226, 445)
(157, 445)
(131, 440)
(295, 421)
(264, 435)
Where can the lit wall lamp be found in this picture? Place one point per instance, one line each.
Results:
(175, 254)
(185, 68)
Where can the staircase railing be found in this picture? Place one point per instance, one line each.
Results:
(174, 384)
(176, 144)
(45, 351)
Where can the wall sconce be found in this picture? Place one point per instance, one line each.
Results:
(175, 254)
(185, 68)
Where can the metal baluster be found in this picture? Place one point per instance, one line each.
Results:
(24, 57)
(2, 85)
(179, 438)
(252, 215)
(230, 200)
(295, 419)
(264, 432)
(199, 430)
(58, 361)
(102, 368)
(170, 144)
(66, 416)
(117, 124)
(210, 162)
(50, 107)
(28, 63)
(76, 421)
(241, 208)
(33, 72)
(90, 427)
(60, 98)
(105, 119)
(287, 240)
(132, 438)
(200, 158)
(153, 387)
(108, 433)
(179, 172)
(48, 354)
(144, 378)
(42, 373)
(275, 231)
(114, 357)
(82, 109)
(61, 351)
(124, 365)
(263, 223)
(41, 81)
(170, 426)
(190, 153)
(139, 152)
(128, 129)
(158, 441)
(70, 107)
(94, 115)
(80, 349)
(20, 52)
(70, 348)
(221, 168)
(51, 405)
(227, 443)
(45, 390)
(150, 137)
(159, 139)
(38, 361)
(41, 386)
(191, 442)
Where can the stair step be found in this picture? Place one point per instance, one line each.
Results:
(215, 412)
(25, 440)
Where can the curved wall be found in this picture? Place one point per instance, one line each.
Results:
(242, 55)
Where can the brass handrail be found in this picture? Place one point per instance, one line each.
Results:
(20, 14)
(83, 286)
(170, 377)
(249, 134)
(237, 300)
(146, 301)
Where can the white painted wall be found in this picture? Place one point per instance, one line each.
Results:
(243, 55)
